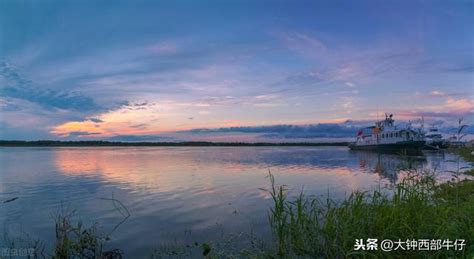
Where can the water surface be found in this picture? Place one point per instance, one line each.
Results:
(180, 194)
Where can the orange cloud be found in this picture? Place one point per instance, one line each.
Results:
(140, 119)
(459, 105)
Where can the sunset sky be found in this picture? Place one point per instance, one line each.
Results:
(230, 70)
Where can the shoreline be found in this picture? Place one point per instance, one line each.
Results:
(54, 143)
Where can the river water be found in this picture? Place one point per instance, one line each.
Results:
(180, 194)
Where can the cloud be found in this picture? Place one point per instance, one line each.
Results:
(96, 120)
(82, 133)
(437, 93)
(140, 126)
(352, 66)
(287, 131)
(303, 43)
(450, 117)
(462, 69)
(266, 97)
(163, 48)
(459, 106)
(446, 66)
(139, 138)
(450, 106)
(16, 86)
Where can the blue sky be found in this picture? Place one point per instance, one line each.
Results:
(105, 69)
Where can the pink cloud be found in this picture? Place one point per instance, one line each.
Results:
(437, 93)
(163, 48)
(459, 105)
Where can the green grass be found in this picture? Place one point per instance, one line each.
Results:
(418, 208)
(75, 240)
(466, 153)
(469, 172)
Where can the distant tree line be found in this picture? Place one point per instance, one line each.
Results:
(55, 143)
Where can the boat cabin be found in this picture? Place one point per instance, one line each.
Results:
(385, 132)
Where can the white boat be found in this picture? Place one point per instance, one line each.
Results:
(385, 135)
(434, 139)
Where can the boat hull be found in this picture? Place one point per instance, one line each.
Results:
(435, 145)
(395, 146)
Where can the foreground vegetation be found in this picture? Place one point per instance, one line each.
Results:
(417, 209)
(467, 155)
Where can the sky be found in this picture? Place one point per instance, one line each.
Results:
(231, 70)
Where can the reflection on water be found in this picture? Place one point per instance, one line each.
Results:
(388, 166)
(180, 193)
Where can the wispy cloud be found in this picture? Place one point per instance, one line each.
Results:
(437, 93)
(304, 44)
(16, 86)
(163, 48)
(286, 131)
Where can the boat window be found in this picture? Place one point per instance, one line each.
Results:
(391, 135)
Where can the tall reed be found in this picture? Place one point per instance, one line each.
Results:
(417, 208)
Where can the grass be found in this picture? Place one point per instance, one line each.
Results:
(466, 154)
(75, 240)
(418, 208)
